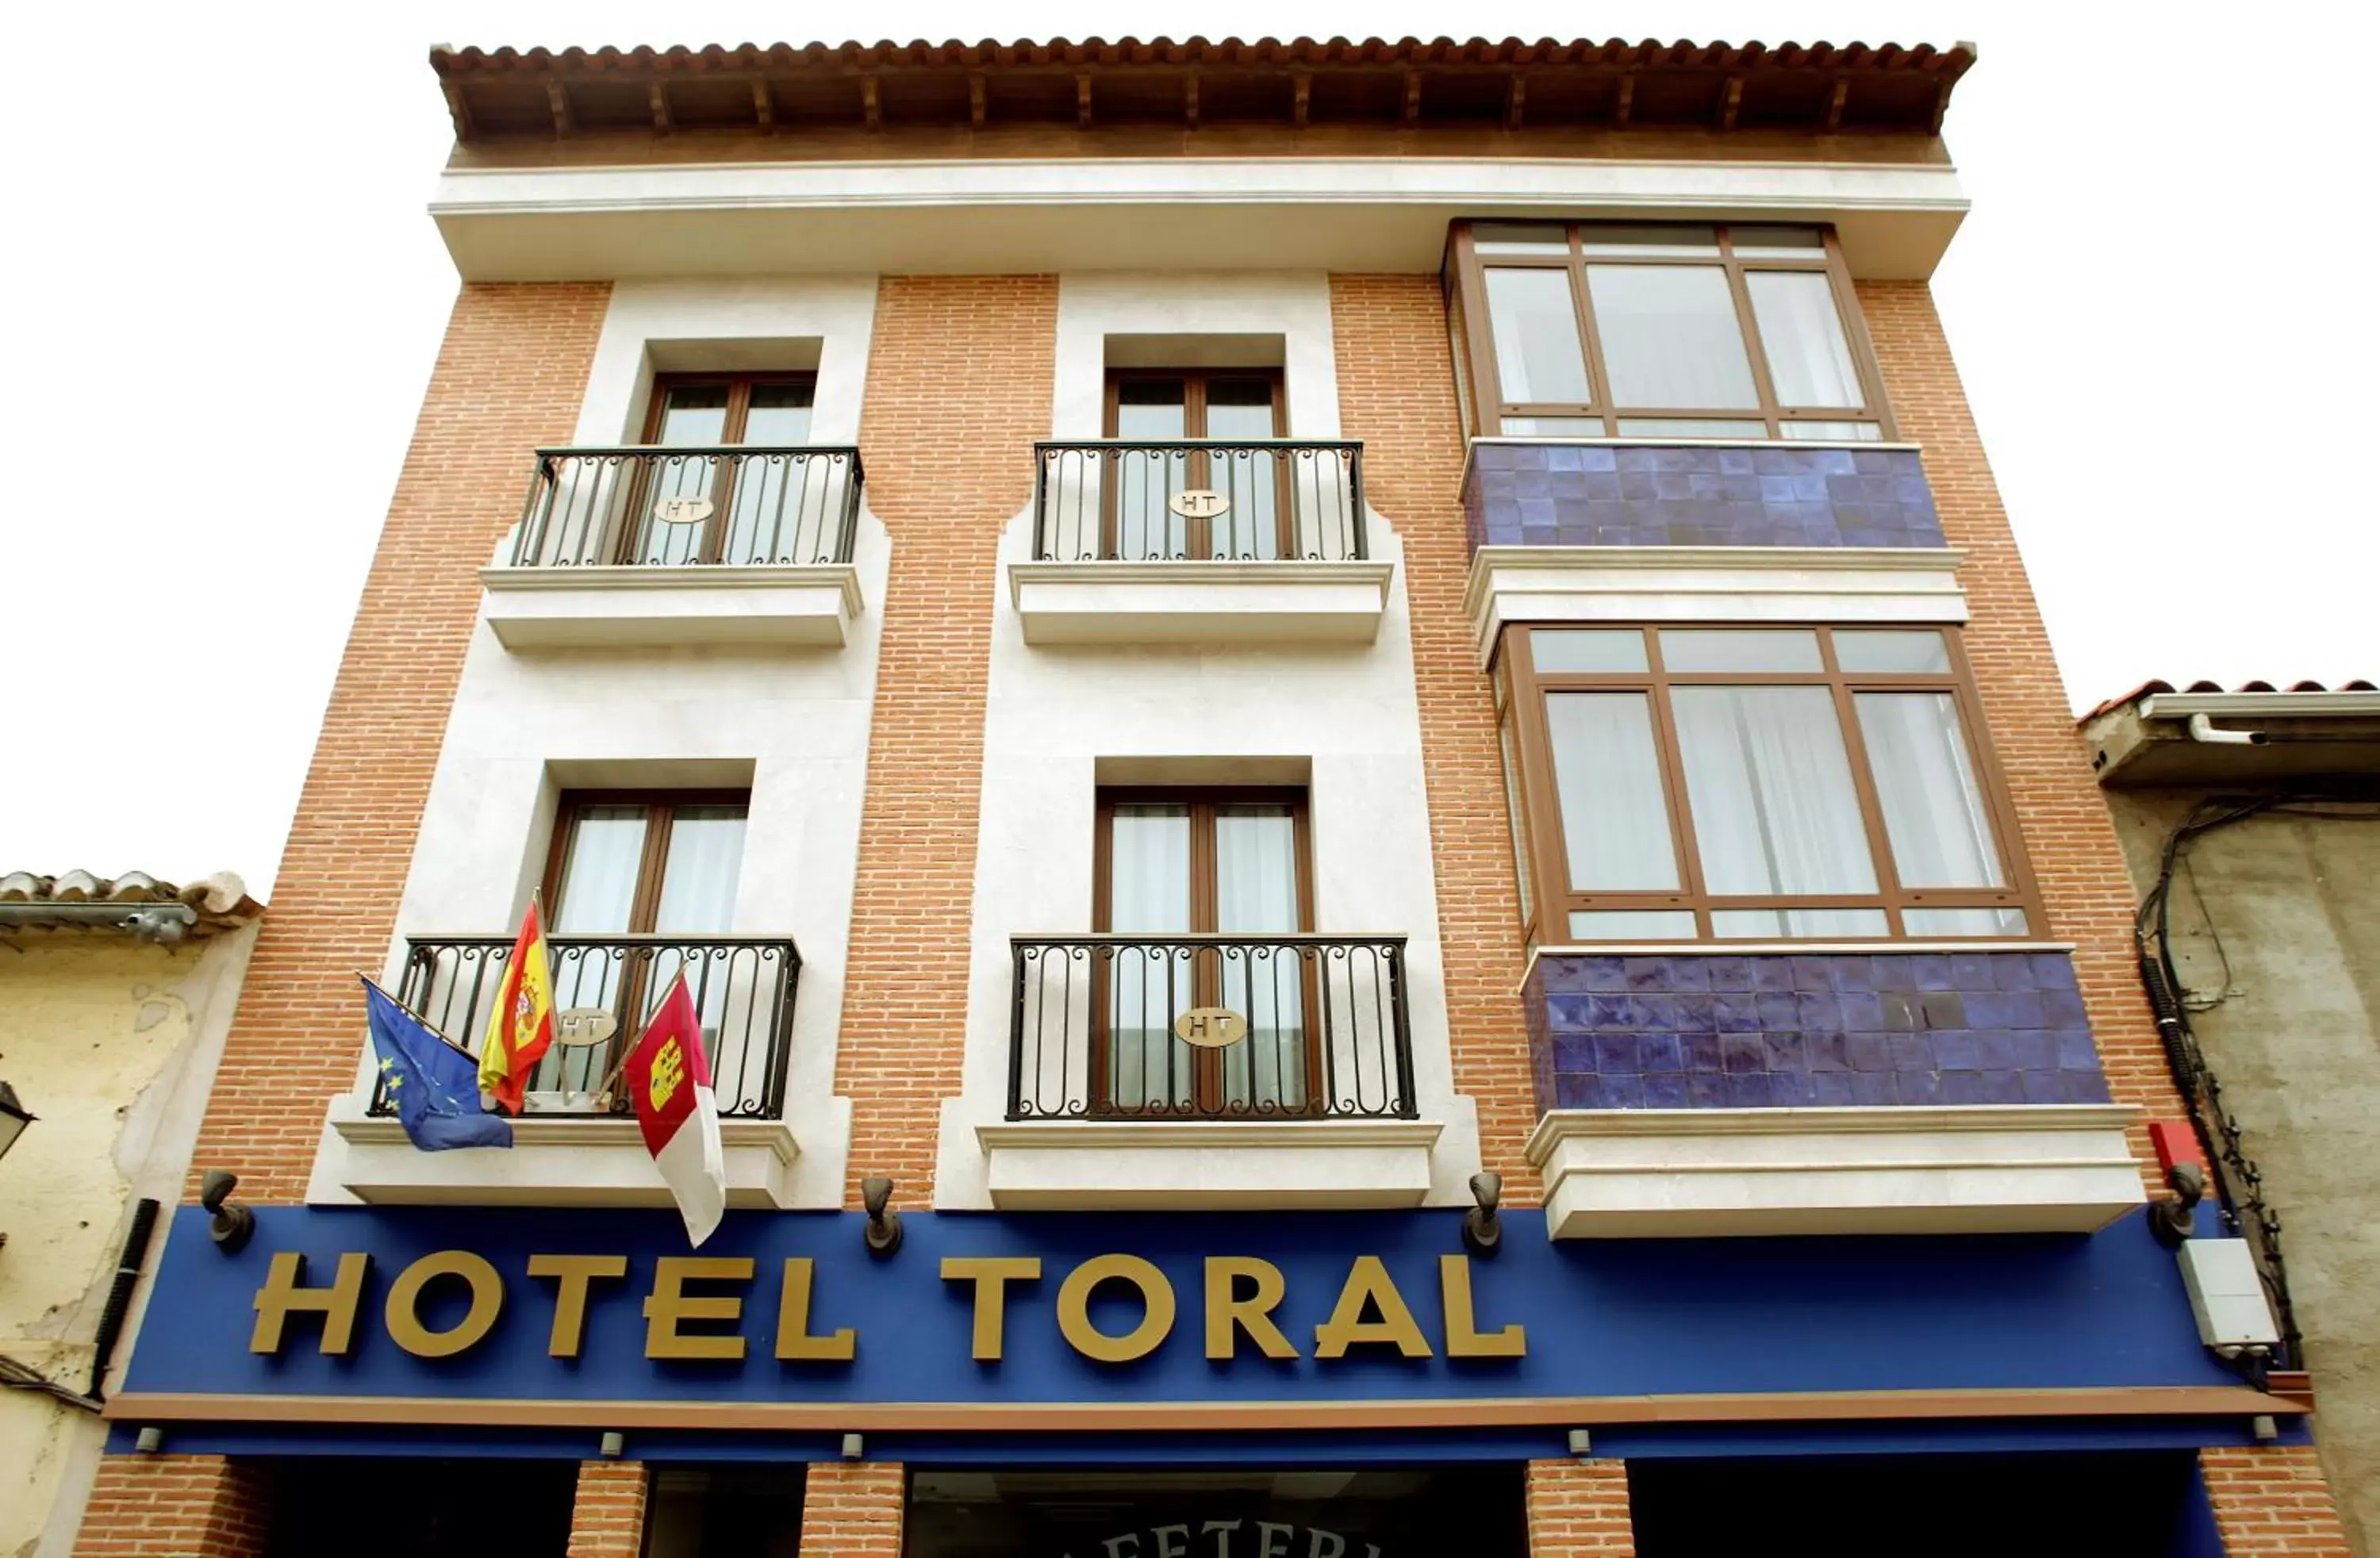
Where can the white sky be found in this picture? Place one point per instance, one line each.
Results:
(220, 333)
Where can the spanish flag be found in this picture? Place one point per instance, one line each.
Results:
(521, 1027)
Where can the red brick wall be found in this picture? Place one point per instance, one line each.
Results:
(852, 1509)
(510, 377)
(959, 381)
(1579, 1507)
(2068, 831)
(2273, 1500)
(607, 1517)
(176, 1506)
(1396, 393)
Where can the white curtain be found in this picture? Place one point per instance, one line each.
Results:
(1615, 819)
(1256, 891)
(706, 853)
(1671, 338)
(1809, 361)
(1770, 787)
(1148, 888)
(599, 880)
(1933, 810)
(1146, 527)
(1538, 353)
(1249, 480)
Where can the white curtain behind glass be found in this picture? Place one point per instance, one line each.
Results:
(596, 897)
(780, 504)
(1250, 480)
(1933, 810)
(1536, 326)
(698, 874)
(1809, 361)
(1670, 340)
(1615, 819)
(1148, 891)
(1770, 787)
(1146, 527)
(1255, 891)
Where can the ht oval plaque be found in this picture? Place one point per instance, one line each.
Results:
(1198, 503)
(682, 510)
(1211, 1027)
(584, 1025)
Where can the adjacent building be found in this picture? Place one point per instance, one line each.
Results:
(1378, 846)
(2246, 815)
(115, 997)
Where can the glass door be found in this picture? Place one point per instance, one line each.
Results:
(1142, 520)
(1193, 865)
(710, 507)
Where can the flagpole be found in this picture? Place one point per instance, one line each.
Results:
(622, 1063)
(426, 1026)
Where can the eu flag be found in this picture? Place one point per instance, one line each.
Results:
(434, 1086)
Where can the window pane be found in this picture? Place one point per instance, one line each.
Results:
(1735, 924)
(779, 414)
(1564, 649)
(1633, 925)
(1685, 427)
(1740, 648)
(1933, 810)
(1514, 238)
(1149, 868)
(1965, 922)
(1518, 815)
(598, 891)
(1537, 346)
(706, 853)
(1835, 432)
(1152, 408)
(1553, 427)
(1778, 243)
(1670, 336)
(695, 416)
(1904, 649)
(1148, 890)
(1809, 361)
(1256, 890)
(1615, 819)
(1770, 787)
(1624, 240)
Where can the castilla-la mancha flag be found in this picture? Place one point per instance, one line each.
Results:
(520, 1029)
(668, 1079)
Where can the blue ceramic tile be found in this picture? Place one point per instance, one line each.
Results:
(1729, 973)
(1910, 1052)
(1964, 1087)
(1832, 1088)
(1659, 1013)
(1646, 974)
(1779, 1013)
(1689, 973)
(1615, 1053)
(1741, 1052)
(1701, 1052)
(2013, 970)
(1748, 1092)
(1772, 975)
(1828, 1052)
(1697, 1012)
(1916, 1088)
(1813, 975)
(2053, 970)
(1569, 1014)
(1931, 971)
(1956, 1049)
(1943, 1008)
(2083, 1086)
(1998, 1049)
(1562, 973)
(1735, 1014)
(1573, 1089)
(1786, 1051)
(2043, 1086)
(1818, 1014)
(1668, 1091)
(1605, 973)
(2062, 1008)
(1874, 1089)
(1623, 1092)
(1861, 1013)
(1972, 971)
(1900, 1012)
(2076, 1052)
(1706, 1091)
(2034, 1050)
(1788, 1089)
(1855, 976)
(2002, 1087)
(1867, 1052)
(1660, 1053)
(1573, 1054)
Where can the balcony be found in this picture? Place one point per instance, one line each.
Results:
(576, 1142)
(643, 546)
(1184, 1071)
(1199, 541)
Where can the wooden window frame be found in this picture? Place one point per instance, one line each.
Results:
(1202, 800)
(1197, 533)
(1468, 286)
(661, 807)
(739, 387)
(1547, 919)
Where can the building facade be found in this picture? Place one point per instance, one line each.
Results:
(116, 994)
(2245, 817)
(1377, 845)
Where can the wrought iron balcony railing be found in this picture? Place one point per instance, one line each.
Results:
(1209, 1027)
(736, 506)
(743, 986)
(1252, 500)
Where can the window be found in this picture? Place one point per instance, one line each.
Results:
(751, 499)
(1646, 331)
(1211, 863)
(1222, 406)
(1680, 783)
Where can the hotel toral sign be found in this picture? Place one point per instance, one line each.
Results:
(446, 1304)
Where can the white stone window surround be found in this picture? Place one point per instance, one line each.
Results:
(1058, 720)
(1210, 319)
(790, 723)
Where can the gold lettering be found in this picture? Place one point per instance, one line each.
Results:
(1173, 1541)
(1228, 1315)
(1463, 1335)
(1369, 1283)
(576, 1273)
(1075, 1308)
(1273, 1538)
(401, 1312)
(671, 1306)
(794, 1338)
(991, 1275)
(284, 1294)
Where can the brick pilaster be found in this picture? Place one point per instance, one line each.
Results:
(852, 1509)
(607, 1516)
(2273, 1500)
(1579, 1507)
(176, 1506)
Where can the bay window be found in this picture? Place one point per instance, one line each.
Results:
(1598, 330)
(1684, 783)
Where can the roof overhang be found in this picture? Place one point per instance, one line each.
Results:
(2215, 739)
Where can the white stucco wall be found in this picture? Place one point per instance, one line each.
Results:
(1052, 713)
(526, 725)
